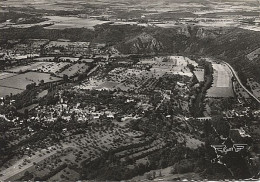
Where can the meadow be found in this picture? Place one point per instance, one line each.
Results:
(75, 69)
(199, 73)
(27, 67)
(7, 91)
(139, 77)
(20, 81)
(62, 22)
(4, 75)
(222, 84)
(52, 67)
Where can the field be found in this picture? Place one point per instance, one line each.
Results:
(11, 82)
(172, 65)
(46, 67)
(51, 67)
(139, 77)
(20, 81)
(253, 55)
(61, 22)
(7, 91)
(70, 59)
(222, 84)
(31, 66)
(91, 145)
(107, 85)
(92, 83)
(4, 75)
(199, 73)
(122, 78)
(75, 69)
(66, 44)
(44, 59)
(173, 60)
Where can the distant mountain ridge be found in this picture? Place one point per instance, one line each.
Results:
(229, 44)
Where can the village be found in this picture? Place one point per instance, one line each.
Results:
(74, 103)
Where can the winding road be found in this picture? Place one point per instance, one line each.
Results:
(239, 81)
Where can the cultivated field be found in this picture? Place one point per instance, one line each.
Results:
(222, 84)
(66, 44)
(4, 75)
(44, 59)
(70, 59)
(30, 66)
(20, 81)
(170, 64)
(253, 55)
(75, 69)
(73, 150)
(199, 73)
(122, 78)
(52, 67)
(139, 76)
(7, 91)
(61, 22)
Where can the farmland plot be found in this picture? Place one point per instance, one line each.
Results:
(92, 83)
(31, 66)
(222, 84)
(44, 59)
(170, 65)
(118, 78)
(107, 85)
(75, 69)
(62, 22)
(20, 81)
(7, 91)
(52, 67)
(140, 77)
(4, 75)
(199, 73)
(175, 60)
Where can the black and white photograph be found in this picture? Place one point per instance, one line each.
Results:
(129, 90)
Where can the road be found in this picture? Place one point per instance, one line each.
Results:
(239, 81)
(15, 169)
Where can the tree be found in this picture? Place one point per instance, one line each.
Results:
(154, 174)
(81, 77)
(149, 176)
(160, 174)
(191, 67)
(26, 112)
(41, 83)
(65, 78)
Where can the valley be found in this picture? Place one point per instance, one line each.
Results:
(129, 90)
